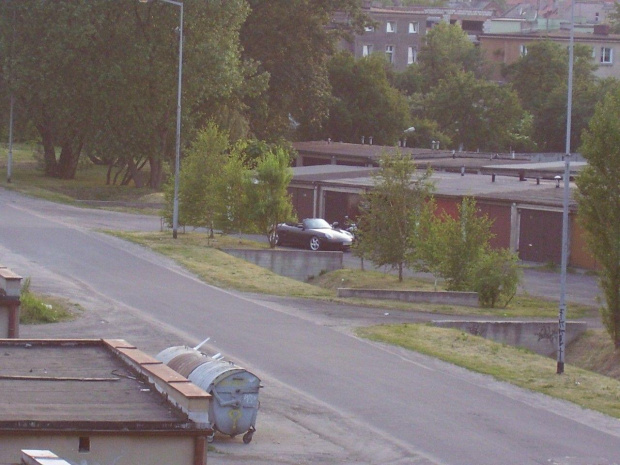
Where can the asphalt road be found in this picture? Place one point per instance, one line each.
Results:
(419, 409)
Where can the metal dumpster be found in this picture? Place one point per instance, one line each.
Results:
(235, 390)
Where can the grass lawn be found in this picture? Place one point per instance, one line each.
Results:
(88, 185)
(514, 365)
(199, 254)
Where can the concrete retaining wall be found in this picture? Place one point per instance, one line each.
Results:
(469, 299)
(10, 291)
(539, 337)
(296, 264)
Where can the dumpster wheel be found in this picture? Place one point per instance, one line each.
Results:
(247, 437)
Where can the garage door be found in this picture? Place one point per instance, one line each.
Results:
(540, 236)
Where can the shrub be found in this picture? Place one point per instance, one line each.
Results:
(496, 277)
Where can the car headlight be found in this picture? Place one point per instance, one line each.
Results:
(329, 236)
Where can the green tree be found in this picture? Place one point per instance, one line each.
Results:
(447, 51)
(232, 206)
(475, 113)
(268, 194)
(389, 211)
(54, 72)
(365, 103)
(614, 19)
(540, 79)
(599, 203)
(292, 42)
(426, 251)
(101, 76)
(138, 109)
(426, 131)
(457, 244)
(199, 179)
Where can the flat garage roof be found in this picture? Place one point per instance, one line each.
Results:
(55, 385)
(504, 188)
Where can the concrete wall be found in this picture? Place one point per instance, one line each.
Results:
(10, 291)
(469, 299)
(539, 337)
(105, 449)
(296, 264)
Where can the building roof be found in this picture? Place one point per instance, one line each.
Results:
(325, 172)
(555, 35)
(93, 385)
(504, 189)
(342, 151)
(440, 160)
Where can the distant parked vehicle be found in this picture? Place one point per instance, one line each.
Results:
(349, 227)
(314, 234)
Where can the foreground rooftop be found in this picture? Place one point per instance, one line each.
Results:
(99, 385)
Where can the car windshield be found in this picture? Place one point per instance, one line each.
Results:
(316, 223)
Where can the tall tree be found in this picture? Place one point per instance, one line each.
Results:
(365, 103)
(103, 76)
(199, 179)
(540, 79)
(139, 107)
(232, 205)
(599, 203)
(614, 19)
(49, 48)
(268, 195)
(390, 210)
(292, 42)
(475, 113)
(447, 50)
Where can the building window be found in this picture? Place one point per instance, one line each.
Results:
(414, 28)
(390, 26)
(366, 50)
(389, 53)
(607, 55)
(523, 50)
(412, 55)
(84, 444)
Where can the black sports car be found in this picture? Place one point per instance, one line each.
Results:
(313, 233)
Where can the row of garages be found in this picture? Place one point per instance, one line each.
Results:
(526, 214)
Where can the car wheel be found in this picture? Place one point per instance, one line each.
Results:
(315, 244)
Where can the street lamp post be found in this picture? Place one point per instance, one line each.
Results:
(9, 166)
(175, 204)
(565, 201)
(10, 160)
